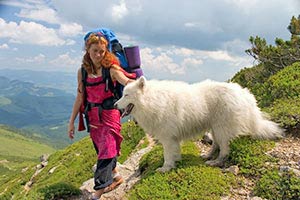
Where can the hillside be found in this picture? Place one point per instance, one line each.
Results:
(18, 152)
(70, 168)
(54, 79)
(256, 169)
(249, 171)
(42, 111)
(279, 95)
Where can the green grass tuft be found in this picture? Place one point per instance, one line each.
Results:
(249, 155)
(190, 180)
(132, 134)
(274, 186)
(59, 191)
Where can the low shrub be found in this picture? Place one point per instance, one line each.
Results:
(287, 113)
(274, 185)
(249, 155)
(59, 190)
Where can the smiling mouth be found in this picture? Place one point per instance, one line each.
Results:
(127, 110)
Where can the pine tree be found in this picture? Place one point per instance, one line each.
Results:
(283, 54)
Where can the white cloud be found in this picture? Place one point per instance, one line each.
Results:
(161, 62)
(40, 14)
(219, 55)
(4, 46)
(203, 26)
(29, 33)
(38, 10)
(71, 29)
(173, 62)
(119, 11)
(34, 9)
(66, 61)
(36, 60)
(191, 63)
(15, 3)
(70, 42)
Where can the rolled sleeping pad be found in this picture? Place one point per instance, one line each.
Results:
(133, 56)
(138, 72)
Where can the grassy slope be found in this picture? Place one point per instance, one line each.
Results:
(18, 152)
(278, 95)
(72, 167)
(15, 145)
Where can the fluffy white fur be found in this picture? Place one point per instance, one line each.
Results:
(175, 111)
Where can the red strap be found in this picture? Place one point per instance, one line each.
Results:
(81, 126)
(127, 74)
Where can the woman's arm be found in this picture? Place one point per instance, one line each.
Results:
(119, 76)
(76, 105)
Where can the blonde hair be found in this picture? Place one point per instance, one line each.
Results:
(108, 59)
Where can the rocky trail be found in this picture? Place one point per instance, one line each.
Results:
(129, 171)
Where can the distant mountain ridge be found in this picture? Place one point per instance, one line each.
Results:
(41, 110)
(30, 104)
(55, 79)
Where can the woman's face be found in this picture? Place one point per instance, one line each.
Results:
(97, 52)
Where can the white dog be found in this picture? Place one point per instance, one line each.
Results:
(175, 111)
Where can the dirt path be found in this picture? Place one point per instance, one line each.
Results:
(130, 172)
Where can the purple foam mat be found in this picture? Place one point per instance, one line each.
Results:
(133, 56)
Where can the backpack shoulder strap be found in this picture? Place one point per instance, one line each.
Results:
(106, 78)
(84, 82)
(83, 76)
(109, 85)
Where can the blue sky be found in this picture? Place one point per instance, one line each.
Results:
(188, 40)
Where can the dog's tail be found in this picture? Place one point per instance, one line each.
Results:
(266, 129)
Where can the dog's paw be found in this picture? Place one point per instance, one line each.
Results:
(163, 169)
(215, 163)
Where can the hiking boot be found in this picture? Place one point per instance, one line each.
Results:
(118, 180)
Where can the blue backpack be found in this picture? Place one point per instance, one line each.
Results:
(114, 45)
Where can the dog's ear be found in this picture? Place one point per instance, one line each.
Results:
(142, 82)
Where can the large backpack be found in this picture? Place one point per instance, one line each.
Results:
(130, 65)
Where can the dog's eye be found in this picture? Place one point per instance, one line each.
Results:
(125, 95)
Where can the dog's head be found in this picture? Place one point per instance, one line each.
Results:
(131, 95)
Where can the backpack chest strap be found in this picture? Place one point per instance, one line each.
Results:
(95, 83)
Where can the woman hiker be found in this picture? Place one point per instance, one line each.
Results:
(104, 125)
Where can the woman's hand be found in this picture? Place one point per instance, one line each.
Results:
(71, 130)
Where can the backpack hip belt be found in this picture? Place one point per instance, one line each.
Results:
(107, 104)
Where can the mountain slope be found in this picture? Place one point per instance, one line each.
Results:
(71, 167)
(60, 80)
(23, 103)
(16, 145)
(17, 152)
(40, 110)
(278, 95)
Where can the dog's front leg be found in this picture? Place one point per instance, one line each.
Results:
(171, 149)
